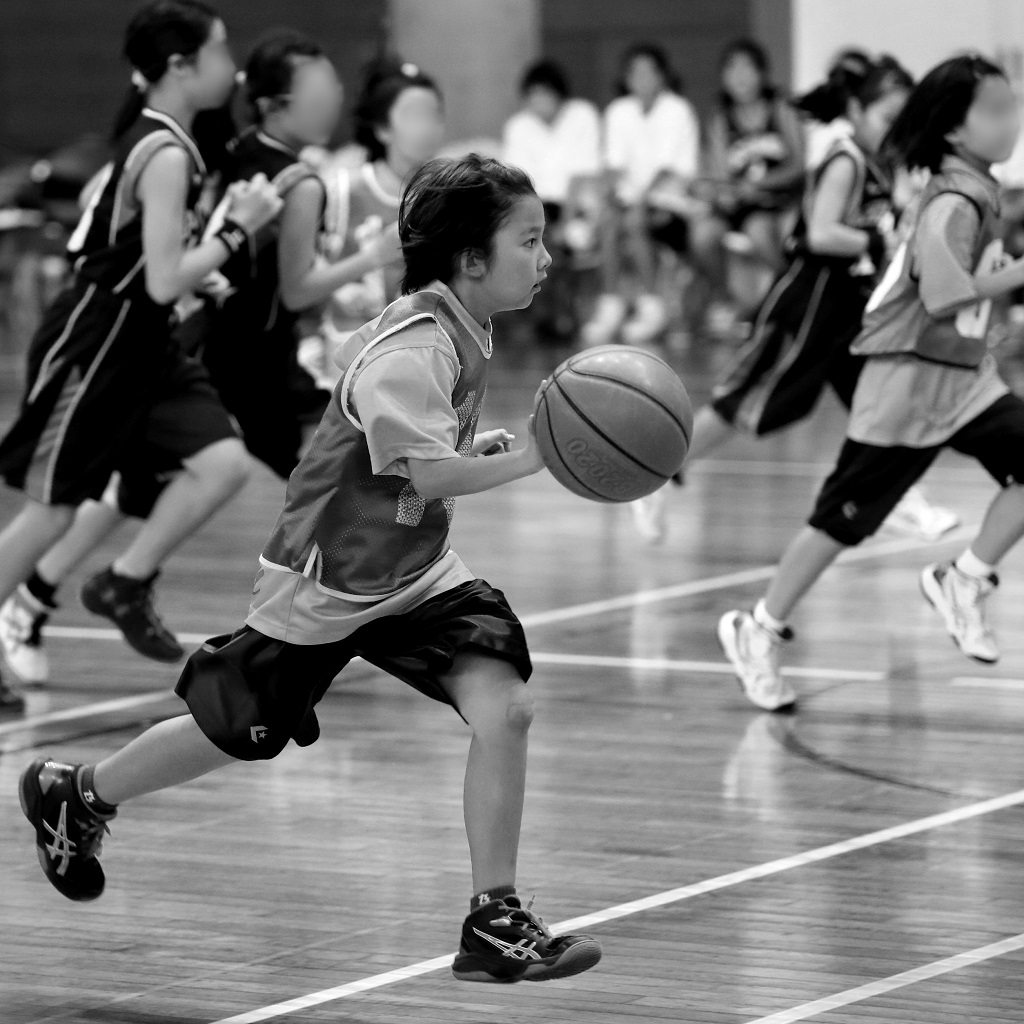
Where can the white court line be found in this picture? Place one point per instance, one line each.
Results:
(883, 985)
(983, 683)
(540, 658)
(611, 604)
(774, 867)
(769, 467)
(720, 668)
(731, 579)
(85, 711)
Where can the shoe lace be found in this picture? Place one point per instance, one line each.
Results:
(525, 920)
(140, 599)
(92, 831)
(973, 610)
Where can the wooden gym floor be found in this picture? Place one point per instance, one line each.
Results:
(859, 861)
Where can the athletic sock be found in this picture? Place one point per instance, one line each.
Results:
(764, 618)
(499, 892)
(45, 593)
(971, 565)
(88, 795)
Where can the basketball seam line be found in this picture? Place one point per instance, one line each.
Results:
(554, 448)
(640, 391)
(593, 426)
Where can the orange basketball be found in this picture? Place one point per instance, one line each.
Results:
(613, 423)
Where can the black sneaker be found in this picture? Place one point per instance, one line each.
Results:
(504, 942)
(128, 604)
(11, 702)
(69, 836)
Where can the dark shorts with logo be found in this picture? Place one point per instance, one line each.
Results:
(869, 481)
(251, 694)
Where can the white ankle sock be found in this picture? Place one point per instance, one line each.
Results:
(971, 565)
(763, 618)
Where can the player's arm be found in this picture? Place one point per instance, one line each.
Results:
(449, 478)
(305, 280)
(827, 235)
(171, 268)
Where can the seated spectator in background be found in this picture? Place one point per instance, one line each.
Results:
(650, 131)
(557, 140)
(753, 175)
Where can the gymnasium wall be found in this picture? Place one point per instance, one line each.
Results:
(61, 74)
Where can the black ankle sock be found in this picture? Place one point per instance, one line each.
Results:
(87, 792)
(499, 892)
(43, 592)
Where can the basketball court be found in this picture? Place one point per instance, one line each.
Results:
(856, 861)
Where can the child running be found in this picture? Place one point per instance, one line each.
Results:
(928, 381)
(359, 563)
(803, 330)
(108, 389)
(244, 330)
(399, 121)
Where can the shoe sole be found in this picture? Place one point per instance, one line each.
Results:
(579, 957)
(96, 608)
(726, 638)
(927, 580)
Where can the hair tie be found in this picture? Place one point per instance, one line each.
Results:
(139, 80)
(410, 70)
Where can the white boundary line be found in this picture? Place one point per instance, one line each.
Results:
(774, 867)
(84, 711)
(770, 467)
(984, 683)
(883, 985)
(719, 668)
(611, 604)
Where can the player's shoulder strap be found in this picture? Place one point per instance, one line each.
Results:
(846, 147)
(287, 178)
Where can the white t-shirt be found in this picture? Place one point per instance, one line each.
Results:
(642, 145)
(552, 154)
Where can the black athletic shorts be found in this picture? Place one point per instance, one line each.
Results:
(800, 343)
(869, 481)
(251, 694)
(107, 390)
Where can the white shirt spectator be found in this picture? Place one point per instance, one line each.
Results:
(553, 154)
(642, 145)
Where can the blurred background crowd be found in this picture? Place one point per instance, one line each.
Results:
(662, 134)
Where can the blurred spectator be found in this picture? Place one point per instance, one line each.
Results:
(754, 174)
(650, 131)
(556, 139)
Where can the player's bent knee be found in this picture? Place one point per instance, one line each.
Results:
(226, 461)
(519, 711)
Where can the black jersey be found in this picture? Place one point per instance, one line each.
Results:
(106, 247)
(253, 277)
(870, 206)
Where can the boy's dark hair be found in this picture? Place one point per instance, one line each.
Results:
(157, 32)
(385, 80)
(758, 56)
(451, 207)
(937, 106)
(545, 74)
(854, 76)
(271, 66)
(658, 56)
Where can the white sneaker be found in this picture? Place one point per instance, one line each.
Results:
(21, 621)
(915, 516)
(754, 653)
(604, 324)
(649, 515)
(960, 600)
(649, 320)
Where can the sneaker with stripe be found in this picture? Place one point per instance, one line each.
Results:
(505, 942)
